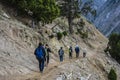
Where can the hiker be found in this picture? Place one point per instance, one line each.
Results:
(77, 50)
(40, 55)
(47, 50)
(70, 52)
(84, 52)
(61, 54)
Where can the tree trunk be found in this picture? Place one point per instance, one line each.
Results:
(70, 18)
(70, 25)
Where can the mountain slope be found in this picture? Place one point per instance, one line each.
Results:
(18, 42)
(108, 18)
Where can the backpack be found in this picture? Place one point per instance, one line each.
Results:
(39, 53)
(61, 52)
(77, 49)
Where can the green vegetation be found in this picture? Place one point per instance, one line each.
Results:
(81, 23)
(113, 47)
(41, 10)
(76, 33)
(71, 9)
(51, 36)
(94, 13)
(88, 9)
(59, 35)
(65, 33)
(83, 34)
(112, 75)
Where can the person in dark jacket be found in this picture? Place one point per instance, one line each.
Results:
(70, 52)
(84, 52)
(61, 54)
(47, 50)
(77, 50)
(40, 55)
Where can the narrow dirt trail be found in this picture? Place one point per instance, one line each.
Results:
(50, 70)
(53, 68)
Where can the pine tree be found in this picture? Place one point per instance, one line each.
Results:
(42, 10)
(114, 46)
(71, 9)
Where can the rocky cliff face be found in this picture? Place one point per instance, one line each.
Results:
(18, 42)
(108, 17)
(98, 3)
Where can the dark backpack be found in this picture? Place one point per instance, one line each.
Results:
(61, 52)
(39, 53)
(77, 49)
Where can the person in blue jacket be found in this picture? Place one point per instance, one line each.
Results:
(77, 50)
(61, 54)
(40, 55)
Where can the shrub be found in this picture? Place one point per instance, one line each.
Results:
(114, 46)
(81, 23)
(79, 31)
(112, 75)
(84, 35)
(59, 35)
(46, 31)
(76, 33)
(65, 33)
(51, 36)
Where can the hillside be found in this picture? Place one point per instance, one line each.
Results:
(18, 42)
